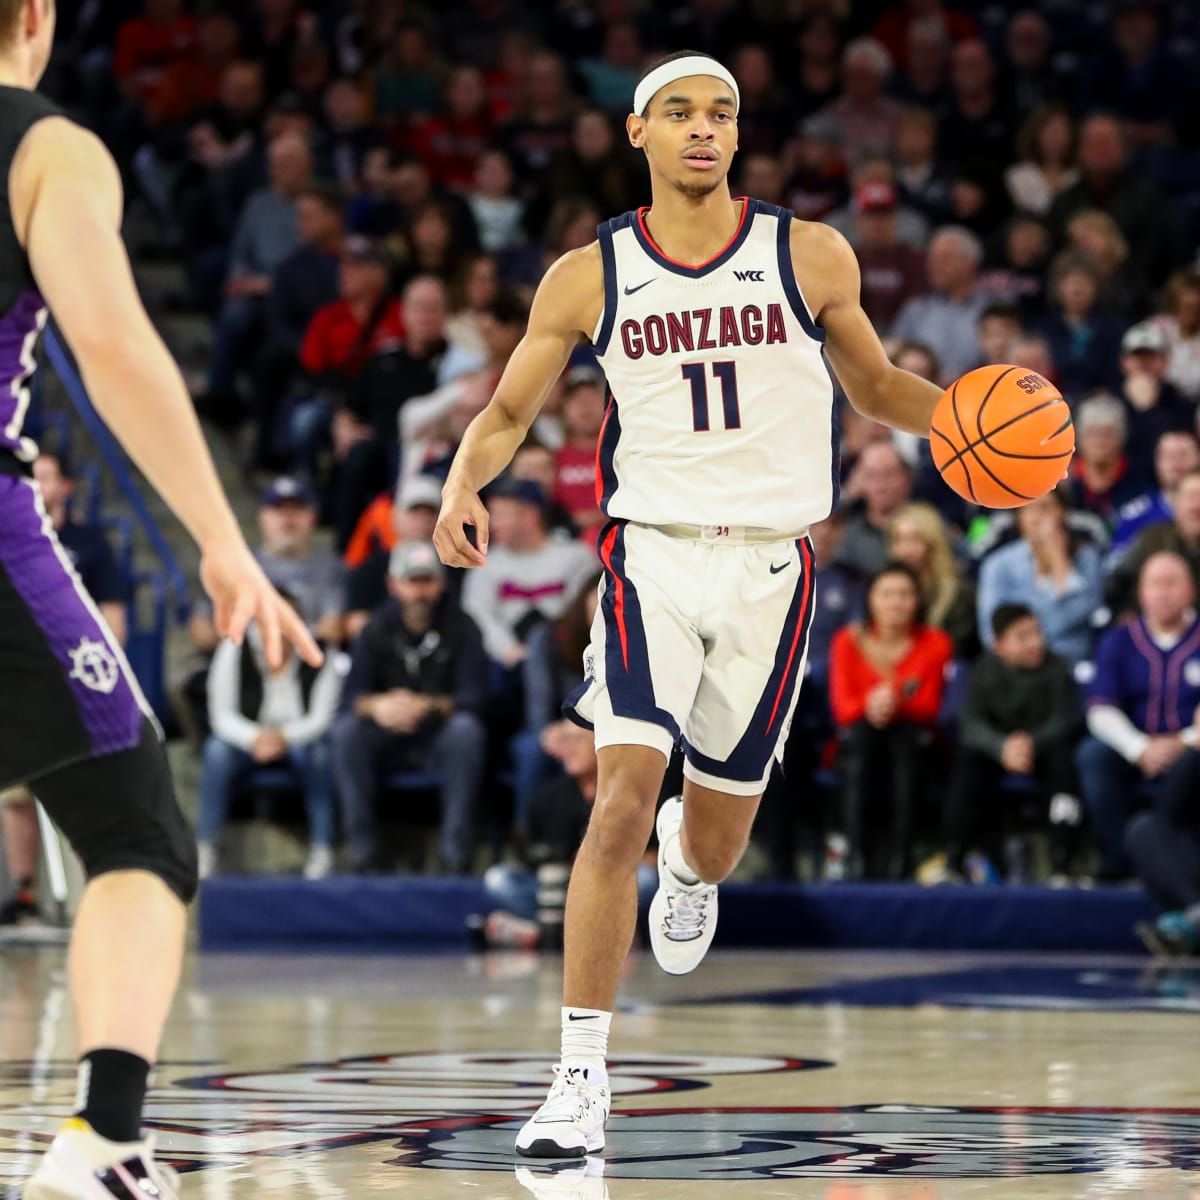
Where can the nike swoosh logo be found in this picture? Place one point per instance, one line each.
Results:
(630, 290)
(573, 1017)
(776, 569)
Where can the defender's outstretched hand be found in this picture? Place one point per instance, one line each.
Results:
(241, 593)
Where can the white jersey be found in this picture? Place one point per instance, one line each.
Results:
(721, 409)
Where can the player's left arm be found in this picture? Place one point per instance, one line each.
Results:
(822, 258)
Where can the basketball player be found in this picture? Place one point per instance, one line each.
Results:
(709, 316)
(73, 724)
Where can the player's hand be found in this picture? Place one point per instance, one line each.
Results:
(461, 507)
(241, 593)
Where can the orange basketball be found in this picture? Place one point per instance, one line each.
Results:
(1002, 436)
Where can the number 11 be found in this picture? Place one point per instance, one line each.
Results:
(726, 372)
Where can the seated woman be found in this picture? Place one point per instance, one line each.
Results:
(886, 680)
(1050, 570)
(917, 535)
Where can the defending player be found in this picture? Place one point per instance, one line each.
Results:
(73, 723)
(711, 317)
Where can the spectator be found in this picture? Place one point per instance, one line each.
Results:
(304, 283)
(451, 142)
(471, 295)
(1142, 706)
(259, 718)
(1020, 717)
(866, 117)
(385, 526)
(765, 113)
(1180, 323)
(761, 176)
(886, 679)
(1131, 199)
(1095, 235)
(1047, 570)
(541, 128)
(999, 331)
(1175, 455)
(843, 595)
(1019, 275)
(149, 45)
(408, 75)
(923, 80)
(1034, 77)
(1180, 536)
(537, 462)
(978, 125)
(917, 537)
(816, 188)
(92, 557)
(816, 70)
(911, 227)
(1164, 845)
(885, 481)
(977, 203)
(921, 183)
(434, 247)
(1155, 406)
(497, 211)
(1046, 147)
(1084, 339)
(349, 134)
(413, 701)
(267, 233)
(894, 28)
(613, 75)
(287, 519)
(892, 273)
(575, 462)
(947, 319)
(1103, 478)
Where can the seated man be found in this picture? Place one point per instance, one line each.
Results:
(1142, 706)
(1165, 847)
(261, 717)
(413, 699)
(92, 557)
(1021, 717)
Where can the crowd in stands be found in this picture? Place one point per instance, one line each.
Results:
(365, 197)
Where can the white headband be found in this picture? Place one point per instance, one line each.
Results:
(681, 68)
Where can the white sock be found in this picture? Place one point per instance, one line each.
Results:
(585, 1041)
(677, 864)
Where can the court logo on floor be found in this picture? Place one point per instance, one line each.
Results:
(831, 1143)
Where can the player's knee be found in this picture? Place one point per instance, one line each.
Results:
(713, 861)
(620, 826)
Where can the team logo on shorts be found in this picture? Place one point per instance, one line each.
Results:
(93, 664)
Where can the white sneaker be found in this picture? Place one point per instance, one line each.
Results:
(206, 859)
(81, 1165)
(683, 917)
(568, 1183)
(320, 862)
(571, 1122)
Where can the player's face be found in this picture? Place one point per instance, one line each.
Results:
(689, 134)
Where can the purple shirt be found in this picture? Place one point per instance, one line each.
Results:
(1157, 689)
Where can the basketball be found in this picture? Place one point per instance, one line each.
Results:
(1001, 436)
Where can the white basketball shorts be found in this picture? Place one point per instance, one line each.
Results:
(698, 642)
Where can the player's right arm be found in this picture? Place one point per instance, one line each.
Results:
(568, 304)
(65, 194)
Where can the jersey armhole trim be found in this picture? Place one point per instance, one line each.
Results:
(608, 317)
(787, 274)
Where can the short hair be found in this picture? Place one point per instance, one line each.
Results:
(1007, 615)
(1102, 408)
(871, 52)
(61, 459)
(328, 195)
(661, 62)
(508, 308)
(1004, 309)
(970, 244)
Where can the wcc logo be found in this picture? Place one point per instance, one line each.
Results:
(749, 276)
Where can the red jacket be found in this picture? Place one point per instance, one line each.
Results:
(334, 341)
(918, 679)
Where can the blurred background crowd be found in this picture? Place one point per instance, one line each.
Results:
(364, 195)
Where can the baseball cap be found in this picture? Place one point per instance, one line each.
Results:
(876, 197)
(1144, 336)
(288, 489)
(363, 249)
(527, 491)
(421, 491)
(415, 560)
(583, 376)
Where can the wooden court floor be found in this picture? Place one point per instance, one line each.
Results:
(845, 1077)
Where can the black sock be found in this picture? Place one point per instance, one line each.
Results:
(112, 1089)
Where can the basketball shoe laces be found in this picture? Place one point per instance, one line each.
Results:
(686, 914)
(570, 1096)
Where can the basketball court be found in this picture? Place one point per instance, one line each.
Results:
(830, 1075)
